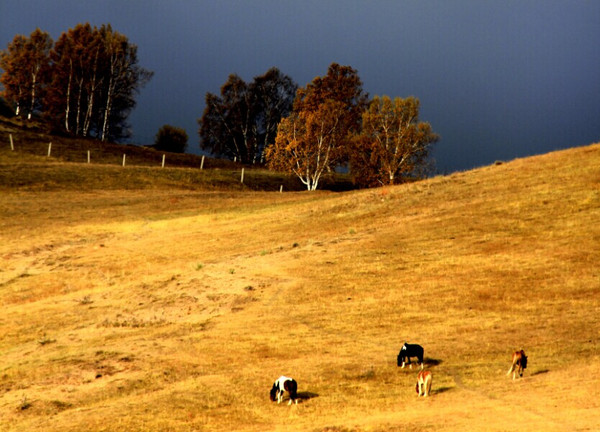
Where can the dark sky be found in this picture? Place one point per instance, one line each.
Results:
(496, 79)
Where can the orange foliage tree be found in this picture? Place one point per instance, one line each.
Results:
(392, 144)
(26, 65)
(84, 84)
(313, 139)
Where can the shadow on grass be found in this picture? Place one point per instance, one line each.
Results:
(305, 395)
(540, 372)
(441, 390)
(432, 362)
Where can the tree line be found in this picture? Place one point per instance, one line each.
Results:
(310, 131)
(84, 84)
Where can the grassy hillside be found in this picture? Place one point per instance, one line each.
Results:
(170, 309)
(28, 167)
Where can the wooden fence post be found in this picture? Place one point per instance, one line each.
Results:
(49, 148)
(202, 162)
(12, 146)
(281, 189)
(123, 159)
(242, 179)
(88, 156)
(163, 161)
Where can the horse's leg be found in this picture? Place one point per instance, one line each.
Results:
(512, 369)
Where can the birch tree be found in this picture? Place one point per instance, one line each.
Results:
(95, 77)
(307, 143)
(242, 121)
(123, 79)
(274, 98)
(314, 139)
(14, 77)
(26, 63)
(393, 144)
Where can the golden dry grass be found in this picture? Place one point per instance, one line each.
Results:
(174, 310)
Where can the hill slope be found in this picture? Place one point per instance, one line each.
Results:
(176, 310)
(87, 164)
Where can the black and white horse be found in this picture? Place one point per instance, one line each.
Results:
(282, 385)
(410, 350)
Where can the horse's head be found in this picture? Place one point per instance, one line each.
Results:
(273, 393)
(523, 360)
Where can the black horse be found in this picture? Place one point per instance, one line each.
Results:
(410, 350)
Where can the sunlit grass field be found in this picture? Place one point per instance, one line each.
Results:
(174, 309)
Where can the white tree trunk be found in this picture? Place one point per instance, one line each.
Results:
(68, 107)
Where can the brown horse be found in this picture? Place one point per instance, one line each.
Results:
(519, 363)
(424, 379)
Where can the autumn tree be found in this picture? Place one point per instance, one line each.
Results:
(84, 84)
(241, 122)
(123, 80)
(26, 65)
(314, 138)
(392, 144)
(171, 139)
(95, 77)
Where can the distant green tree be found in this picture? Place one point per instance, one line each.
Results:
(171, 139)
(242, 122)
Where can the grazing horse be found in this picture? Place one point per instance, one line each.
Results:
(519, 363)
(424, 383)
(407, 351)
(282, 385)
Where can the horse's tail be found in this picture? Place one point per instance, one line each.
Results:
(515, 360)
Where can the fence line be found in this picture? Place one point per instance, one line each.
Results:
(123, 162)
